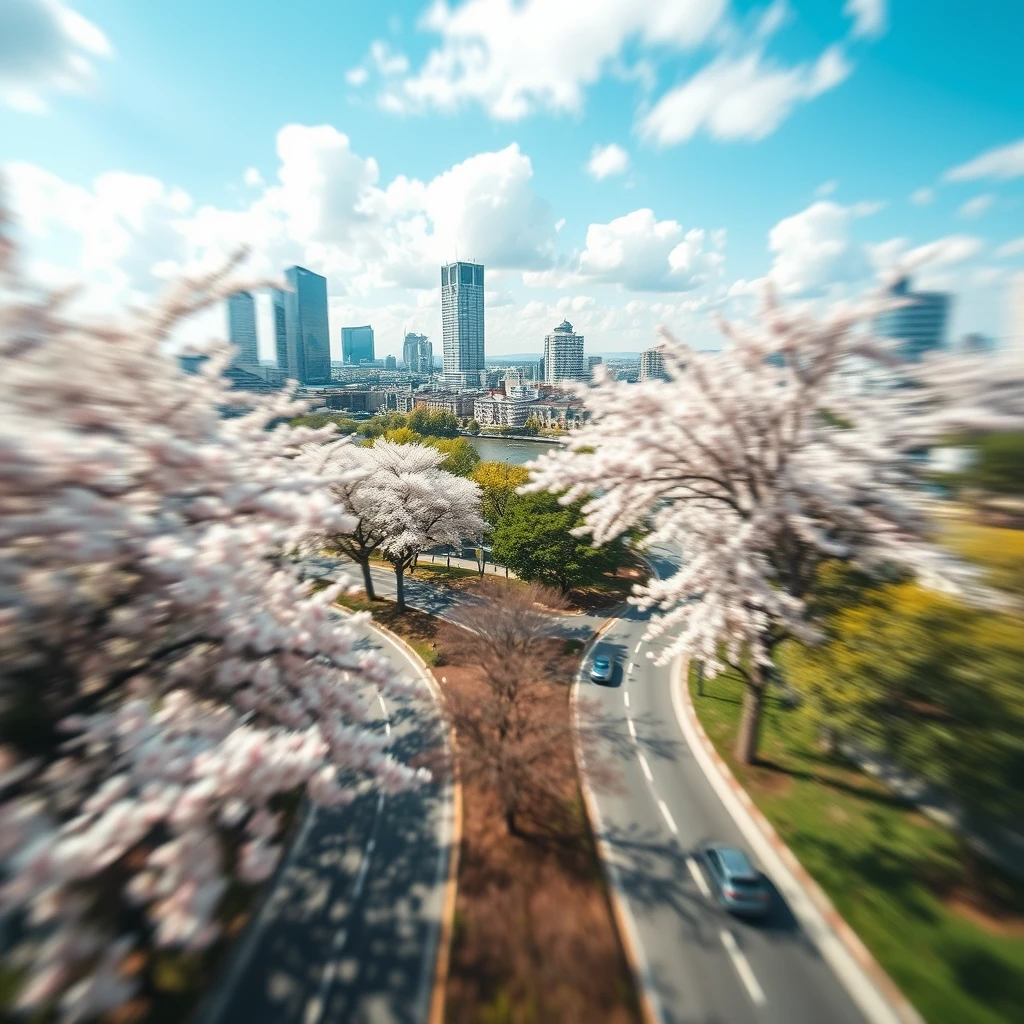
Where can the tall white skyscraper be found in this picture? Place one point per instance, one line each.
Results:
(563, 355)
(242, 328)
(462, 323)
(277, 302)
(309, 344)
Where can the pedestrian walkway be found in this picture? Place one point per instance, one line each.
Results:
(490, 569)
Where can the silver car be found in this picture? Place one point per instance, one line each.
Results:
(601, 670)
(737, 885)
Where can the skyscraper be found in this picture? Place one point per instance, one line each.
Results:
(652, 365)
(242, 328)
(356, 345)
(277, 302)
(563, 355)
(462, 323)
(309, 345)
(418, 353)
(390, 363)
(920, 326)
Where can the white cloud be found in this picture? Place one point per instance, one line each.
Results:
(386, 61)
(607, 160)
(1015, 247)
(922, 196)
(813, 248)
(357, 76)
(740, 98)
(639, 252)
(975, 207)
(252, 177)
(942, 252)
(516, 58)
(826, 188)
(45, 46)
(1002, 164)
(869, 16)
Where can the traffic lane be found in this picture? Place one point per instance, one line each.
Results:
(798, 985)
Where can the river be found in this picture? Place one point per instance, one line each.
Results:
(500, 449)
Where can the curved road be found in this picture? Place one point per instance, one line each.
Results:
(349, 930)
(703, 965)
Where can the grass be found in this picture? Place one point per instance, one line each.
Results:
(953, 944)
(416, 628)
(999, 551)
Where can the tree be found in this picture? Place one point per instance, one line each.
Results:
(460, 457)
(532, 427)
(166, 678)
(433, 422)
(732, 463)
(422, 505)
(473, 426)
(510, 719)
(403, 435)
(998, 464)
(535, 539)
(498, 482)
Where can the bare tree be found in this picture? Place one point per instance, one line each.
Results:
(510, 715)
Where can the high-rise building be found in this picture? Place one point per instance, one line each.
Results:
(462, 323)
(390, 363)
(563, 355)
(242, 328)
(356, 345)
(920, 325)
(309, 345)
(652, 365)
(418, 353)
(277, 302)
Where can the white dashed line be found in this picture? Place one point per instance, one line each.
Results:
(383, 706)
(698, 877)
(387, 728)
(668, 817)
(739, 961)
(632, 728)
(630, 669)
(646, 767)
(363, 869)
(637, 648)
(625, 697)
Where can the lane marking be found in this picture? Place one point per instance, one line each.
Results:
(632, 728)
(739, 961)
(364, 869)
(625, 697)
(637, 648)
(387, 728)
(383, 706)
(698, 877)
(668, 817)
(630, 669)
(646, 767)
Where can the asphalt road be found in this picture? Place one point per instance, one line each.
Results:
(349, 931)
(705, 966)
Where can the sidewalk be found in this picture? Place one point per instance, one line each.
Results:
(491, 569)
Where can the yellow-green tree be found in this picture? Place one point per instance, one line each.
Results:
(498, 482)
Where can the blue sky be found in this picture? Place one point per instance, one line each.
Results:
(814, 142)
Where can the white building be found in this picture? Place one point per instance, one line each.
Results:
(563, 355)
(462, 323)
(242, 329)
(502, 410)
(652, 365)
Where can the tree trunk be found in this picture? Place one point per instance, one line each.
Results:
(368, 580)
(700, 678)
(749, 735)
(400, 584)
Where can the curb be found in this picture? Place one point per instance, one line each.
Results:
(647, 998)
(873, 991)
(435, 1013)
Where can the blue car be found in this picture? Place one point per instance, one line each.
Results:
(601, 670)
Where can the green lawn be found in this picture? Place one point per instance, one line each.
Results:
(893, 875)
(999, 551)
(416, 628)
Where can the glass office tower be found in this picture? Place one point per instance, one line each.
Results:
(356, 345)
(309, 346)
(462, 323)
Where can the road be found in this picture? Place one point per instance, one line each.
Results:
(704, 965)
(349, 931)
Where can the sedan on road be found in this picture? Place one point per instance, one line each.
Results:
(601, 670)
(737, 884)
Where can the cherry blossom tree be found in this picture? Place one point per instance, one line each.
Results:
(755, 463)
(164, 677)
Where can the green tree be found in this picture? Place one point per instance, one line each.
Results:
(498, 482)
(461, 457)
(534, 539)
(404, 435)
(998, 464)
(433, 422)
(532, 426)
(473, 427)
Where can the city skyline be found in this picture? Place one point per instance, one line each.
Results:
(645, 212)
